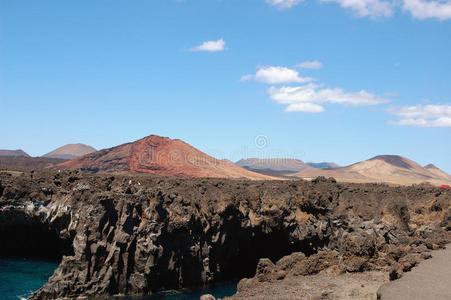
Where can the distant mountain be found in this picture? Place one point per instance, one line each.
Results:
(28, 163)
(383, 168)
(436, 171)
(18, 152)
(323, 165)
(159, 155)
(286, 165)
(70, 151)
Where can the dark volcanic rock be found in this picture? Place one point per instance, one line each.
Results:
(447, 220)
(137, 235)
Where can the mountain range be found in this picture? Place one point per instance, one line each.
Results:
(282, 165)
(323, 165)
(393, 169)
(159, 155)
(164, 156)
(19, 160)
(286, 165)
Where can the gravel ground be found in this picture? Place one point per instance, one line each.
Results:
(430, 280)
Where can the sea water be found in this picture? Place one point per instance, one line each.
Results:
(219, 291)
(20, 277)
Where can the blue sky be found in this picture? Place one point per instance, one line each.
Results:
(317, 80)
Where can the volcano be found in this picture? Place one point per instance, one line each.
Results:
(393, 169)
(15, 153)
(70, 151)
(438, 172)
(159, 155)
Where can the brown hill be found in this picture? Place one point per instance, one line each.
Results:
(162, 156)
(15, 153)
(19, 163)
(392, 169)
(438, 172)
(273, 164)
(70, 151)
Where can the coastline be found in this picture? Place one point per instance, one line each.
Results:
(172, 233)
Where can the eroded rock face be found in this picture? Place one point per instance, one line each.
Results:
(447, 220)
(137, 235)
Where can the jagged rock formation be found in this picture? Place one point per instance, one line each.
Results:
(139, 234)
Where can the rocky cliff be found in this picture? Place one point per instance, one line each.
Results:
(140, 234)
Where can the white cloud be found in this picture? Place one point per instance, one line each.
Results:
(276, 75)
(423, 115)
(421, 9)
(283, 3)
(247, 77)
(366, 8)
(305, 107)
(211, 46)
(314, 64)
(307, 98)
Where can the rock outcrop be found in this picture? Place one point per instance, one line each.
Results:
(140, 234)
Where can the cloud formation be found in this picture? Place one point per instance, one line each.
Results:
(366, 8)
(307, 98)
(283, 3)
(313, 64)
(421, 9)
(211, 46)
(423, 115)
(276, 75)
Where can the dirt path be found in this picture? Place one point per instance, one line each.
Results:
(431, 279)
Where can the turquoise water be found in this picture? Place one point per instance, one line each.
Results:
(19, 278)
(219, 291)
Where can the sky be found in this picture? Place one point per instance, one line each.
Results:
(317, 80)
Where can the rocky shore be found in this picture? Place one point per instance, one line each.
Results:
(136, 235)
